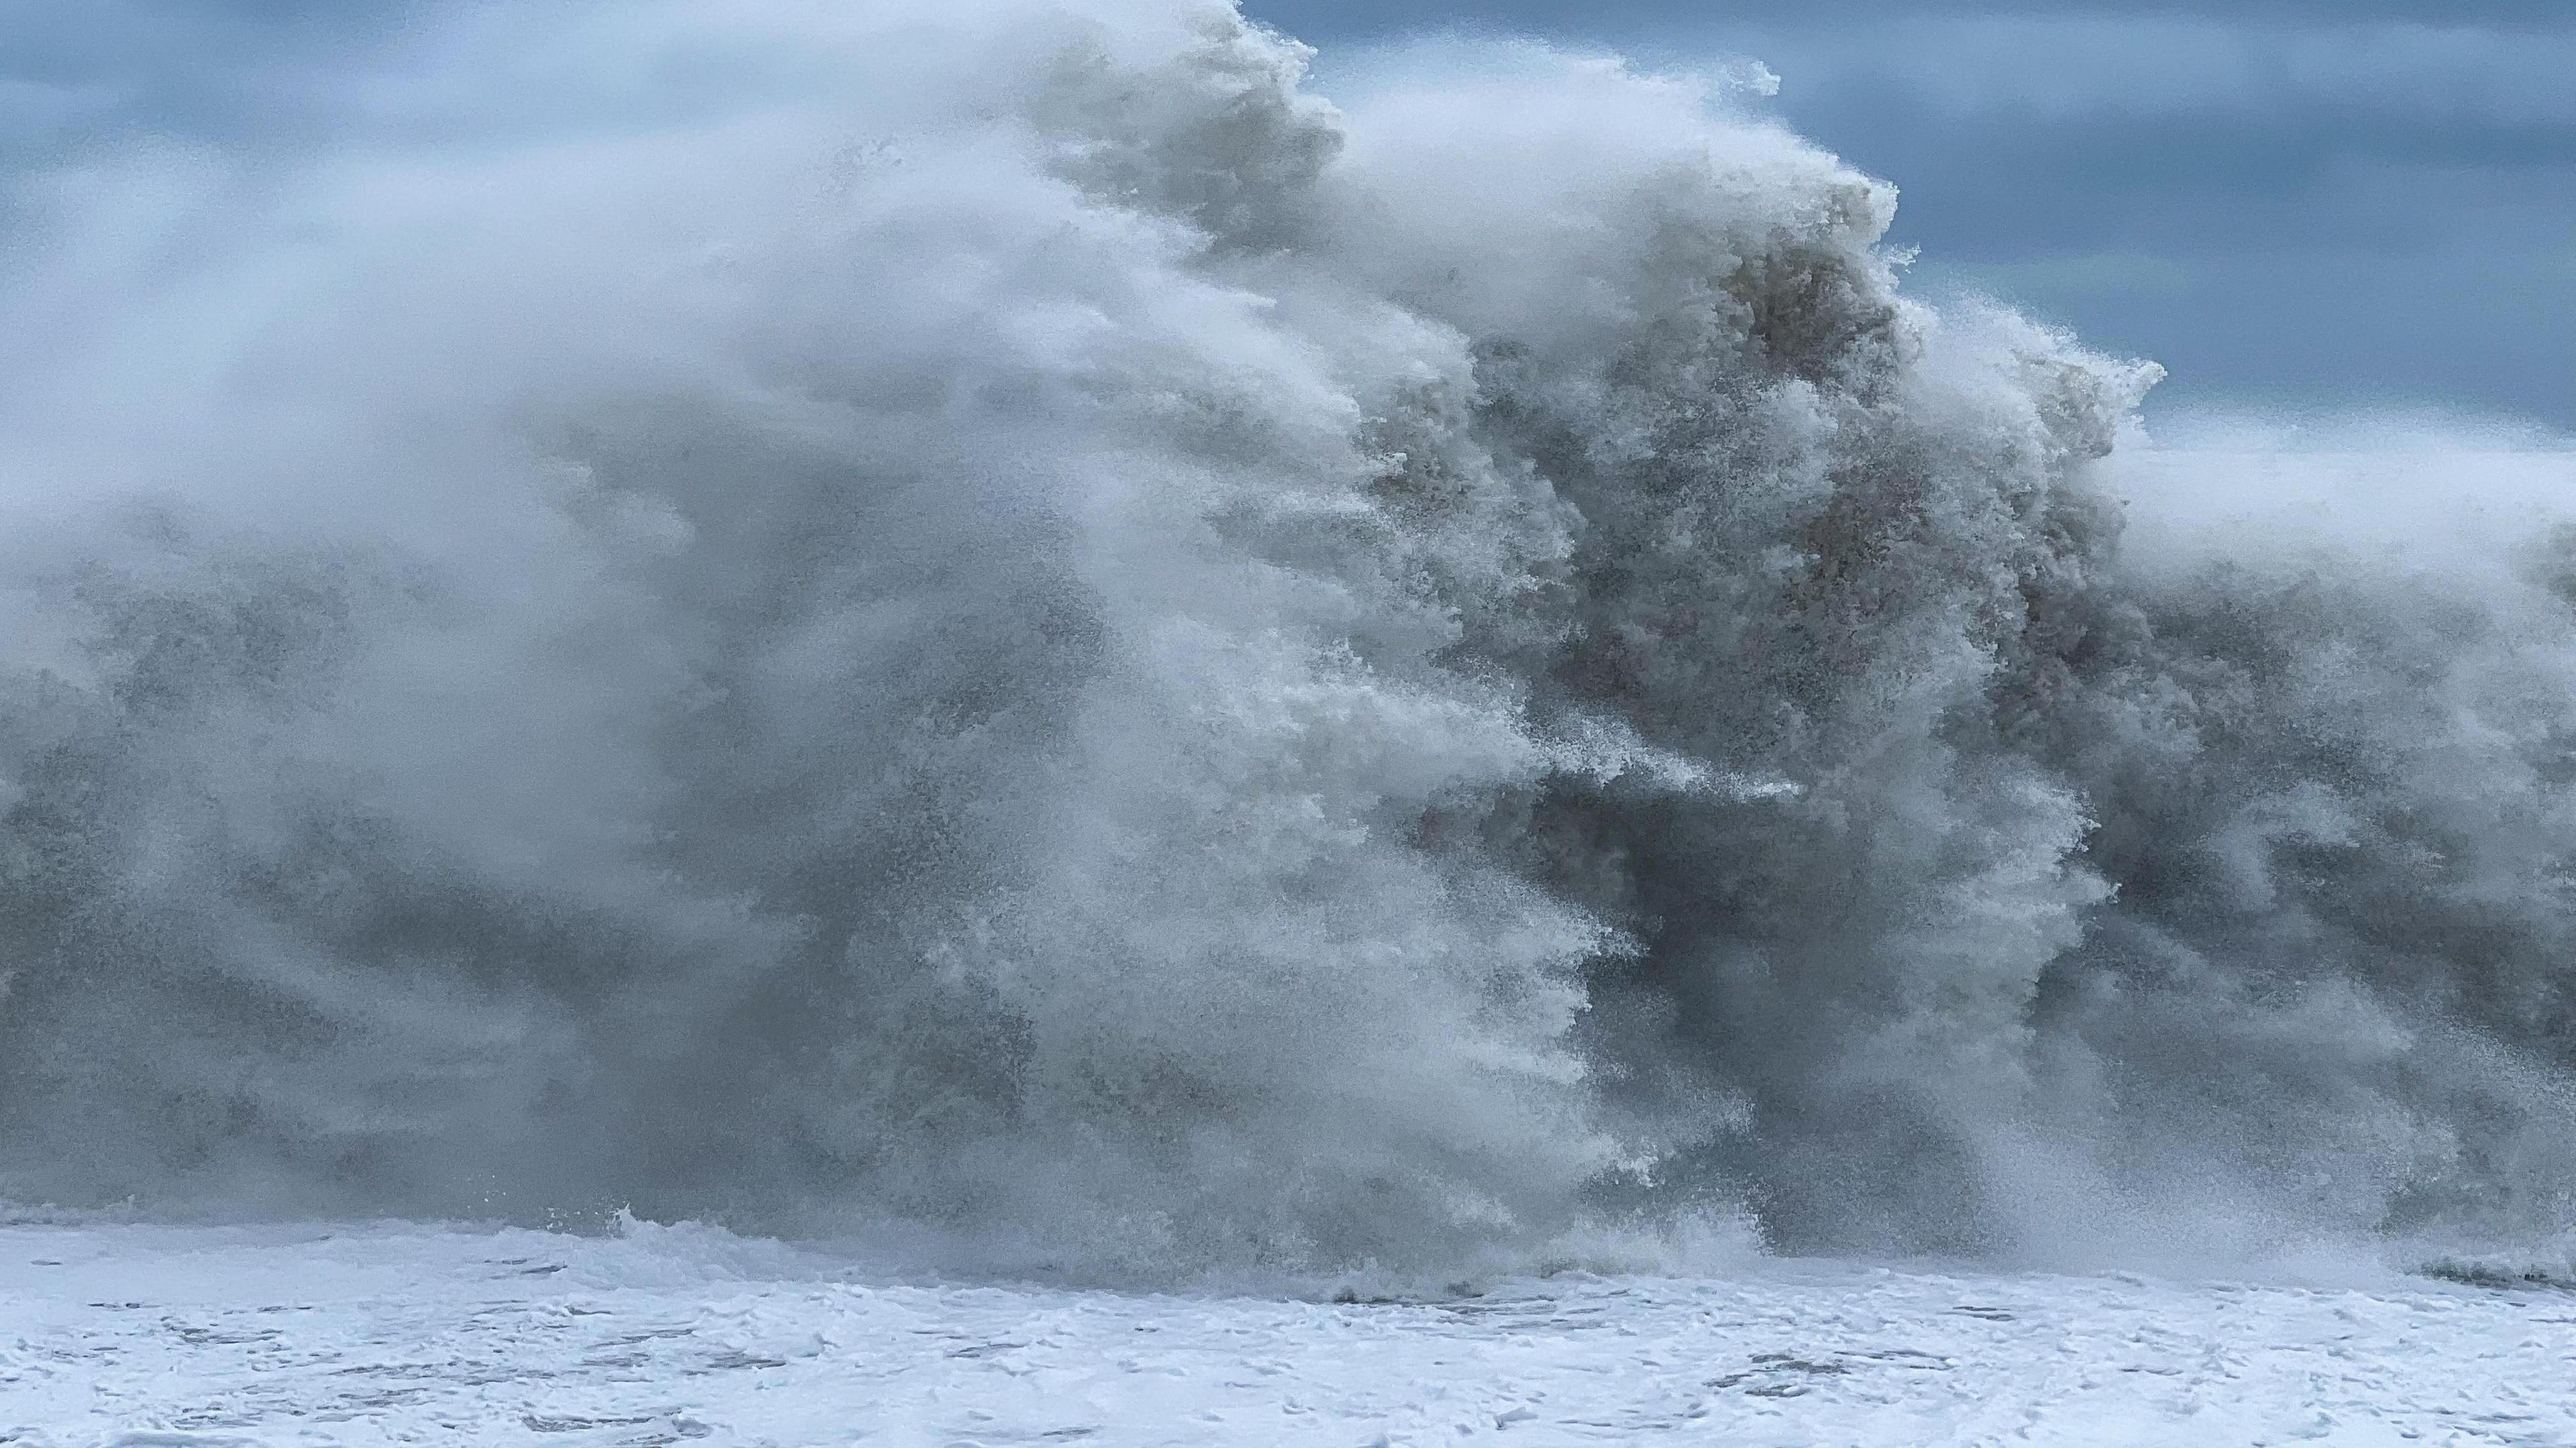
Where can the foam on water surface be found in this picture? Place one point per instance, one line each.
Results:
(994, 617)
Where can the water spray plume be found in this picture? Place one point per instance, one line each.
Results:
(994, 617)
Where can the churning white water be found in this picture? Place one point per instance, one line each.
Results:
(992, 617)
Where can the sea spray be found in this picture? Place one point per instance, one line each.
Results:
(999, 619)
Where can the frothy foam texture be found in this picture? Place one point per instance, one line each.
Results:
(991, 617)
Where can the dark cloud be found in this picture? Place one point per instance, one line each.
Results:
(1339, 18)
(2363, 198)
(1999, 186)
(2316, 203)
(73, 76)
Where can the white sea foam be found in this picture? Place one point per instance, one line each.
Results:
(993, 617)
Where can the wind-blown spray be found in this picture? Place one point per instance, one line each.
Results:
(817, 614)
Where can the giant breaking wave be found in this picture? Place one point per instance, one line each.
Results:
(992, 617)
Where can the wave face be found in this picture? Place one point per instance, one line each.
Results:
(1001, 620)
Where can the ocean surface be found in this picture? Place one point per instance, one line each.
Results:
(995, 622)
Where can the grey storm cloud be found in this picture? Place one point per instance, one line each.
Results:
(2321, 205)
(2037, 138)
(1596, 16)
(2328, 203)
(72, 76)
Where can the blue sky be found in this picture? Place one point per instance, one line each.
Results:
(2317, 205)
(2326, 204)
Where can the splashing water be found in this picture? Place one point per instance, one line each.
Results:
(999, 619)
